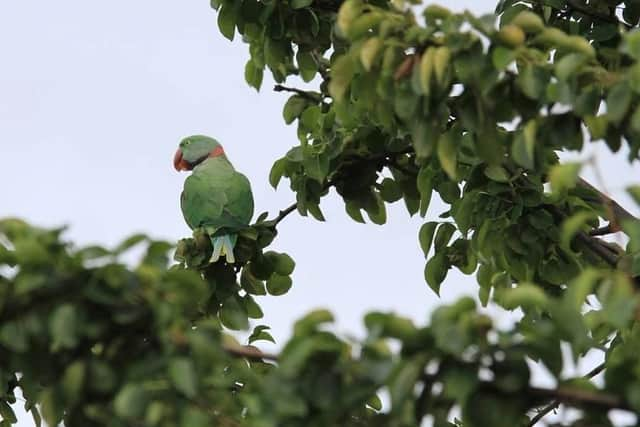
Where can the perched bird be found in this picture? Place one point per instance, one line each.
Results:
(215, 197)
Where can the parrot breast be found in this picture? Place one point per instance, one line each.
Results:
(216, 196)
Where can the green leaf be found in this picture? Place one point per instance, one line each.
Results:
(348, 12)
(424, 135)
(131, 401)
(568, 65)
(597, 126)
(375, 403)
(306, 65)
(73, 381)
(563, 178)
(572, 225)
(261, 267)
(497, 173)
(463, 211)
(487, 409)
(253, 309)
(63, 328)
(278, 284)
(634, 121)
(449, 191)
(405, 104)
(632, 43)
(445, 231)
(227, 16)
(425, 236)
(293, 108)
(260, 334)
(282, 263)
(341, 74)
(130, 242)
(502, 57)
(435, 271)
(390, 191)
(311, 321)
(354, 211)
(435, 12)
(251, 284)
(315, 211)
(51, 406)
(193, 417)
(523, 149)
(425, 188)
(7, 413)
(253, 74)
(277, 171)
(403, 382)
(524, 295)
(618, 102)
(634, 192)
(370, 52)
(377, 211)
(233, 314)
(533, 81)
(299, 4)
(183, 376)
(311, 119)
(316, 165)
(448, 154)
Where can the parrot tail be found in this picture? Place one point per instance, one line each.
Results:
(223, 246)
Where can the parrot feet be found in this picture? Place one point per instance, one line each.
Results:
(223, 246)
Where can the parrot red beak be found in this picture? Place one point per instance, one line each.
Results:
(179, 163)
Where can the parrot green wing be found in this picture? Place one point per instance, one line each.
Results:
(217, 196)
(239, 205)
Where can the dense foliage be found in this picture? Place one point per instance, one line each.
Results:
(410, 100)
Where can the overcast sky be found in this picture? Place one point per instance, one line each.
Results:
(94, 98)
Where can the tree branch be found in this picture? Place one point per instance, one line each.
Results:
(249, 352)
(556, 402)
(603, 231)
(311, 96)
(581, 397)
(283, 214)
(599, 248)
(617, 213)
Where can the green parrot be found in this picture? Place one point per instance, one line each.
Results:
(216, 197)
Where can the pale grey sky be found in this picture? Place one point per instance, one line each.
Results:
(94, 98)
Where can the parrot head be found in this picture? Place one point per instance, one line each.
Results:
(195, 149)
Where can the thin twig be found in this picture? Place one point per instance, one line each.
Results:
(580, 397)
(322, 68)
(283, 214)
(597, 246)
(249, 352)
(314, 97)
(616, 211)
(556, 402)
(600, 248)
